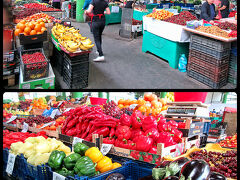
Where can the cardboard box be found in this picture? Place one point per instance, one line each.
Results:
(44, 83)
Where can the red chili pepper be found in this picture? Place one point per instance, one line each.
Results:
(72, 123)
(136, 133)
(143, 143)
(152, 133)
(86, 131)
(137, 118)
(149, 122)
(72, 132)
(104, 123)
(126, 120)
(166, 139)
(64, 127)
(123, 132)
(112, 132)
(102, 131)
(78, 127)
(108, 140)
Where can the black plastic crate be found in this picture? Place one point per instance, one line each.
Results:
(36, 70)
(203, 140)
(58, 60)
(79, 79)
(74, 75)
(33, 46)
(207, 58)
(32, 39)
(81, 85)
(201, 78)
(75, 59)
(76, 68)
(211, 43)
(210, 51)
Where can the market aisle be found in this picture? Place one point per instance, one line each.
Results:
(126, 66)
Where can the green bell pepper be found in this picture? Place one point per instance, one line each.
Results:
(65, 172)
(70, 161)
(56, 158)
(85, 167)
(80, 148)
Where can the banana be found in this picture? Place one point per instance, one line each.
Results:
(89, 46)
(83, 47)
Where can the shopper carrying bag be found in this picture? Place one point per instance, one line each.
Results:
(97, 8)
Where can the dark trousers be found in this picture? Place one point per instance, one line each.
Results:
(97, 29)
(56, 5)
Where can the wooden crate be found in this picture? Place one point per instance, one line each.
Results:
(190, 142)
(231, 119)
(12, 127)
(37, 111)
(10, 79)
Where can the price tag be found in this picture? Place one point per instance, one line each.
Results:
(105, 148)
(57, 176)
(12, 119)
(115, 9)
(30, 108)
(10, 108)
(68, 109)
(76, 140)
(10, 163)
(60, 104)
(49, 102)
(25, 127)
(47, 124)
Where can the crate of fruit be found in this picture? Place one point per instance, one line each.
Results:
(34, 64)
(32, 39)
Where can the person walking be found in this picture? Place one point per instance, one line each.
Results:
(97, 8)
(65, 9)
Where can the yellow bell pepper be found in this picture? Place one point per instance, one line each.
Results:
(94, 154)
(107, 167)
(116, 165)
(105, 161)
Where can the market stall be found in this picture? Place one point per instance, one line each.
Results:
(116, 13)
(72, 138)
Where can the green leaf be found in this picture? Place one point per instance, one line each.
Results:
(182, 177)
(173, 168)
(158, 173)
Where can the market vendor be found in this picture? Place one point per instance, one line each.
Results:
(224, 8)
(208, 12)
(129, 4)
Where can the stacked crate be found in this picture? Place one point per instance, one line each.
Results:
(209, 61)
(76, 70)
(232, 75)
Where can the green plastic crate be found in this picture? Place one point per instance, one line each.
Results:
(138, 15)
(165, 49)
(44, 83)
(113, 17)
(213, 119)
(151, 6)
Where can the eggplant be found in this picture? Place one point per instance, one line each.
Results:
(164, 164)
(195, 170)
(171, 178)
(180, 161)
(217, 176)
(115, 176)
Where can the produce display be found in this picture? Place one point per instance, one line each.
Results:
(46, 18)
(229, 142)
(58, 123)
(24, 104)
(227, 26)
(160, 14)
(6, 116)
(26, 12)
(39, 103)
(215, 30)
(30, 28)
(37, 150)
(39, 120)
(181, 18)
(22, 2)
(18, 112)
(40, 6)
(71, 39)
(12, 137)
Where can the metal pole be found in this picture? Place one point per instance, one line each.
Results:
(77, 94)
(100, 94)
(79, 11)
(225, 97)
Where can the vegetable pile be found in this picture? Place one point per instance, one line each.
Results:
(37, 150)
(213, 30)
(13, 137)
(160, 14)
(181, 18)
(229, 142)
(58, 123)
(46, 18)
(34, 60)
(84, 161)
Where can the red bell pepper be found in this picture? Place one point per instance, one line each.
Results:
(174, 124)
(149, 122)
(143, 143)
(153, 150)
(127, 144)
(166, 139)
(177, 135)
(152, 133)
(109, 140)
(182, 125)
(160, 119)
(137, 118)
(164, 127)
(136, 132)
(123, 132)
(126, 120)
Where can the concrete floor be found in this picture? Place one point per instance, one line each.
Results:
(127, 67)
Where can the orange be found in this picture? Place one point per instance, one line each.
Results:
(121, 101)
(134, 101)
(33, 32)
(37, 28)
(142, 109)
(23, 21)
(43, 29)
(31, 25)
(42, 24)
(21, 26)
(141, 101)
(27, 30)
(120, 106)
(17, 32)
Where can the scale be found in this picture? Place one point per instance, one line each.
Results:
(187, 109)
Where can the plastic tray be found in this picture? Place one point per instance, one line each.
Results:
(215, 74)
(212, 43)
(208, 59)
(32, 39)
(31, 74)
(205, 80)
